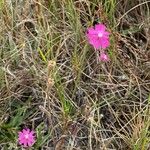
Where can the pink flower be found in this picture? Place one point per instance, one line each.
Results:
(103, 57)
(26, 137)
(98, 37)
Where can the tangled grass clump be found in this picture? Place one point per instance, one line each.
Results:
(51, 81)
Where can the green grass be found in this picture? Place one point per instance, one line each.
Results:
(77, 103)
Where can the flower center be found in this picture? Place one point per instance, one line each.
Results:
(26, 136)
(104, 57)
(100, 34)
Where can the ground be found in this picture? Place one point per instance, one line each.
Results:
(52, 82)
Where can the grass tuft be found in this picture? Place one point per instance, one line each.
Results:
(51, 81)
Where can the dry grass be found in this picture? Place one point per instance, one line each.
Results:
(50, 79)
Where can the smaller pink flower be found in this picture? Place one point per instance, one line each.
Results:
(98, 37)
(103, 57)
(26, 137)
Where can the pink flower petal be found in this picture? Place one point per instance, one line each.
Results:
(100, 27)
(106, 34)
(96, 44)
(105, 44)
(26, 137)
(91, 30)
(32, 132)
(103, 57)
(31, 142)
(98, 37)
